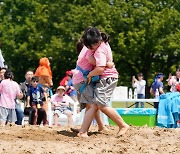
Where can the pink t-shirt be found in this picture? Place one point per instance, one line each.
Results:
(83, 63)
(103, 54)
(55, 99)
(9, 90)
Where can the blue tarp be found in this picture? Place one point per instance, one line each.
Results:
(137, 111)
(169, 110)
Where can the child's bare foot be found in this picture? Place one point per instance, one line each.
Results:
(84, 135)
(104, 129)
(76, 130)
(123, 130)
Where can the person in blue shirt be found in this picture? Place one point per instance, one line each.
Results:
(34, 99)
(157, 84)
(70, 90)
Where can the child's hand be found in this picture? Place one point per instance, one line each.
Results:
(89, 79)
(110, 64)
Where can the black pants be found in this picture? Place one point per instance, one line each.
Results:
(41, 116)
(31, 112)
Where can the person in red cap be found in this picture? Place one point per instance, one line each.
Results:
(64, 81)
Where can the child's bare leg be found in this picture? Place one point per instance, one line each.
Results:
(76, 130)
(56, 119)
(88, 117)
(70, 119)
(113, 114)
(2, 123)
(101, 126)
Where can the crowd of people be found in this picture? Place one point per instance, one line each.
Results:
(35, 92)
(157, 86)
(91, 83)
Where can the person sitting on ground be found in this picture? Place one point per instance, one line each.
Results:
(34, 99)
(61, 103)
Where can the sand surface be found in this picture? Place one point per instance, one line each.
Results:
(60, 140)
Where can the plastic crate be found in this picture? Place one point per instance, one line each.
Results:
(137, 116)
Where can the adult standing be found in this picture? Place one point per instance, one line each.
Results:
(44, 74)
(9, 90)
(97, 42)
(157, 87)
(19, 111)
(140, 85)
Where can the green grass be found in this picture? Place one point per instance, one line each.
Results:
(123, 105)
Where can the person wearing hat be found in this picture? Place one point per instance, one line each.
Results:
(157, 85)
(61, 102)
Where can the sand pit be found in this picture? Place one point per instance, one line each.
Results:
(60, 140)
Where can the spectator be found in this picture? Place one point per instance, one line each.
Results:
(34, 99)
(44, 73)
(140, 85)
(173, 81)
(61, 103)
(157, 85)
(19, 112)
(64, 81)
(9, 90)
(30, 111)
(2, 71)
(70, 90)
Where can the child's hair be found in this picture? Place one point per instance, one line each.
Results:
(8, 75)
(140, 74)
(35, 78)
(3, 68)
(92, 35)
(178, 68)
(79, 45)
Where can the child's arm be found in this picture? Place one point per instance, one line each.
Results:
(151, 91)
(92, 61)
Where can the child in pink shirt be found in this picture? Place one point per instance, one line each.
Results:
(61, 103)
(9, 91)
(97, 42)
(85, 63)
